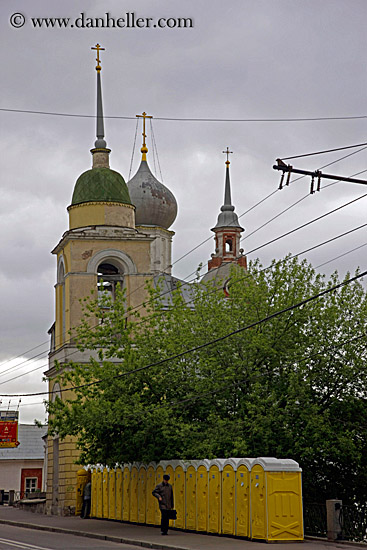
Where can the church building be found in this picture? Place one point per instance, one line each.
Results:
(118, 233)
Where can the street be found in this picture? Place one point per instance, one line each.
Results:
(32, 539)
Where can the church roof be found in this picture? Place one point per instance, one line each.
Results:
(100, 185)
(155, 204)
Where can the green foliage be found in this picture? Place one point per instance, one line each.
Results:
(291, 387)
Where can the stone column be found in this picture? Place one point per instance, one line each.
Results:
(333, 511)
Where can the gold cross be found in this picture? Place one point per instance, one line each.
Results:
(227, 152)
(144, 116)
(98, 48)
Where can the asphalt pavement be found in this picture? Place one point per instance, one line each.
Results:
(148, 536)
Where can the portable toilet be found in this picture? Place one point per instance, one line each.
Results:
(93, 511)
(158, 479)
(276, 500)
(180, 493)
(202, 494)
(151, 502)
(112, 494)
(126, 493)
(229, 497)
(170, 470)
(99, 476)
(215, 493)
(105, 479)
(191, 522)
(142, 493)
(243, 502)
(119, 493)
(134, 492)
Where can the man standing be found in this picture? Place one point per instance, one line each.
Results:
(164, 493)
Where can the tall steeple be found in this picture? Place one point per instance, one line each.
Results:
(227, 230)
(100, 152)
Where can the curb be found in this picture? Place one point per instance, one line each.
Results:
(88, 534)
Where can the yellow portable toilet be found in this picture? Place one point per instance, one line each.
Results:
(158, 479)
(99, 513)
(202, 494)
(243, 465)
(105, 492)
(229, 497)
(126, 493)
(93, 511)
(215, 482)
(142, 493)
(276, 500)
(119, 495)
(112, 494)
(82, 477)
(134, 492)
(180, 493)
(191, 497)
(151, 502)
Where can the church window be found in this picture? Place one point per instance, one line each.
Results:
(108, 277)
(229, 245)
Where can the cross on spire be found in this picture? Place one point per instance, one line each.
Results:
(227, 152)
(98, 48)
(144, 149)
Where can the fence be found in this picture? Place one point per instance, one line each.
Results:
(314, 517)
(353, 522)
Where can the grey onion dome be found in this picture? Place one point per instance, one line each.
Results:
(155, 204)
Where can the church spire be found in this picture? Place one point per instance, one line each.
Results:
(100, 152)
(227, 230)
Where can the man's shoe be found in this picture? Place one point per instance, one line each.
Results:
(162, 533)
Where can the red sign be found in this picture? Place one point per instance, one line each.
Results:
(9, 433)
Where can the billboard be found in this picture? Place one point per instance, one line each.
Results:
(9, 429)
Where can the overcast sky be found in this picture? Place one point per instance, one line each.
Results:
(242, 59)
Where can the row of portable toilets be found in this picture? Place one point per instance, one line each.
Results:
(254, 498)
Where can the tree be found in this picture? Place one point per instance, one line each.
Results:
(292, 386)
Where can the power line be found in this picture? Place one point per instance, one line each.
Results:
(188, 119)
(325, 151)
(206, 344)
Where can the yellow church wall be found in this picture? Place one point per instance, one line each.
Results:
(101, 213)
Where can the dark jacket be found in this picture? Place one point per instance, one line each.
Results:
(166, 493)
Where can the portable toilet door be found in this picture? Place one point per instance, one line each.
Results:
(105, 492)
(142, 494)
(228, 498)
(112, 494)
(151, 501)
(171, 472)
(158, 479)
(214, 521)
(134, 494)
(180, 495)
(284, 500)
(243, 497)
(202, 495)
(191, 498)
(126, 494)
(99, 512)
(94, 494)
(258, 503)
(119, 494)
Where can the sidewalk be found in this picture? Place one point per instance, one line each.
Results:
(144, 536)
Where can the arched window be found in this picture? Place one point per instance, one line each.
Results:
(61, 283)
(229, 245)
(108, 276)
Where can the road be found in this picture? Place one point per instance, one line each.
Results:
(12, 538)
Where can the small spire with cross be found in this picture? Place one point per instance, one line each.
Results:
(98, 48)
(144, 148)
(227, 152)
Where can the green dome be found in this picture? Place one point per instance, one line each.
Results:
(100, 185)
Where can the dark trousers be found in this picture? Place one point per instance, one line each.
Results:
(86, 508)
(164, 521)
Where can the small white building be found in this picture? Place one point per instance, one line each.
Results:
(22, 468)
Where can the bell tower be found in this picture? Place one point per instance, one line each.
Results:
(227, 231)
(101, 248)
